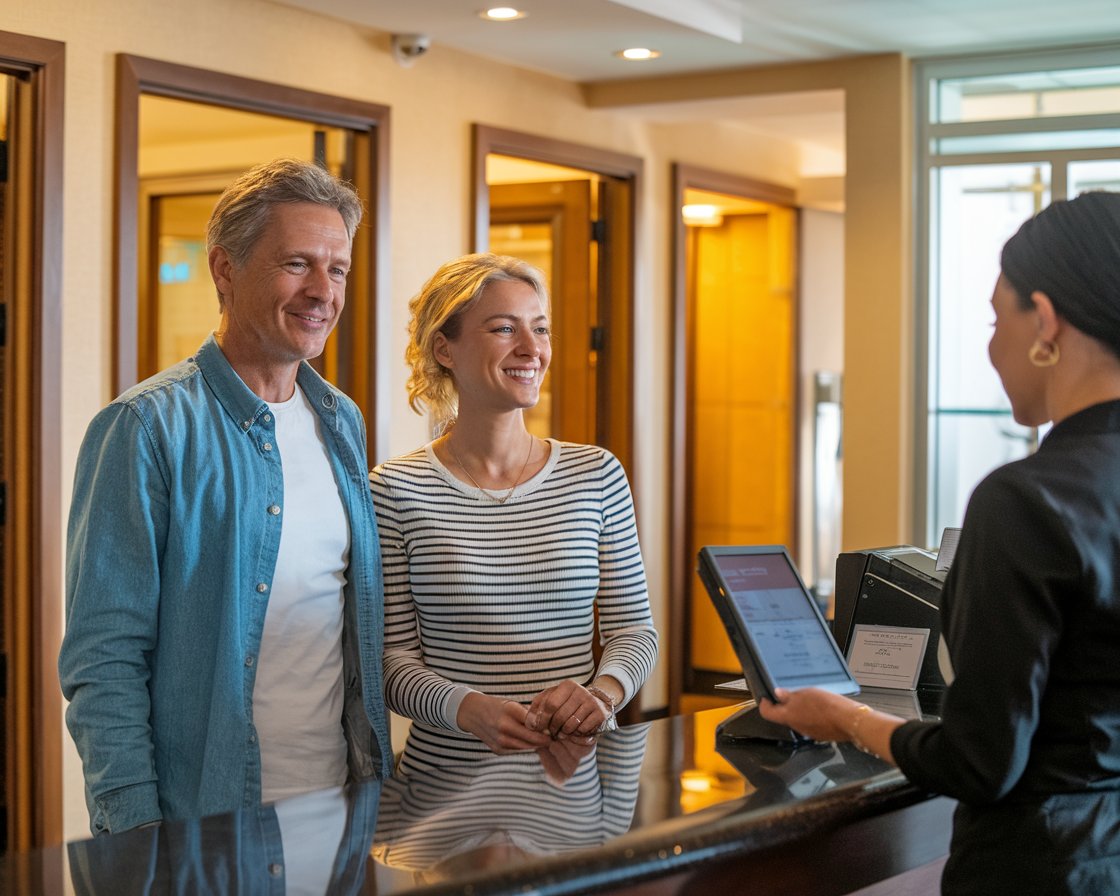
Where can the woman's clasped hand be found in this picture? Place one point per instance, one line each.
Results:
(568, 710)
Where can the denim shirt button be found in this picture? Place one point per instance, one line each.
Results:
(268, 446)
(275, 869)
(267, 418)
(262, 587)
(328, 400)
(274, 509)
(248, 660)
(245, 426)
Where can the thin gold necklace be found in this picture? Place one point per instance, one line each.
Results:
(512, 488)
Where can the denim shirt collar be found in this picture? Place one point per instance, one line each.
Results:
(242, 404)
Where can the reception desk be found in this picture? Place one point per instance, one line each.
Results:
(654, 808)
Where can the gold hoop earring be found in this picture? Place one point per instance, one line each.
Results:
(1044, 354)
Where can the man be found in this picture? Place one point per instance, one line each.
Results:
(224, 607)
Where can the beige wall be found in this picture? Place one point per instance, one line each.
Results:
(433, 104)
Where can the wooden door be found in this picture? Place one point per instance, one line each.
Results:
(32, 77)
(742, 385)
(550, 225)
(349, 137)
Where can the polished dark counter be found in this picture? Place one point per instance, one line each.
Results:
(653, 808)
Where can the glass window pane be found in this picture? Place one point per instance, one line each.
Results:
(977, 208)
(1083, 91)
(966, 448)
(1096, 175)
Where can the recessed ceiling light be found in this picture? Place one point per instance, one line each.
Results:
(502, 14)
(637, 54)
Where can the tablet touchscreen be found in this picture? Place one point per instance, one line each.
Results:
(773, 621)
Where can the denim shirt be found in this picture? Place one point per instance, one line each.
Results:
(173, 538)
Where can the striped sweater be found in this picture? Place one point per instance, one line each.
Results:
(502, 598)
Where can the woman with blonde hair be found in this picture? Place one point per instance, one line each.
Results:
(501, 550)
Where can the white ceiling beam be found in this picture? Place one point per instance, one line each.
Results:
(718, 18)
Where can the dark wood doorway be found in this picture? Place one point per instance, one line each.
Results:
(360, 340)
(553, 221)
(32, 73)
(734, 445)
(601, 392)
(188, 153)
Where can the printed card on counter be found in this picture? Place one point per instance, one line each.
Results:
(886, 656)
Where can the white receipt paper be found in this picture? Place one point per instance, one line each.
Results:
(886, 656)
(950, 538)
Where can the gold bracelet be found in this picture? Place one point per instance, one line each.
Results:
(862, 711)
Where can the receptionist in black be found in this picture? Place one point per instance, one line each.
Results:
(1029, 741)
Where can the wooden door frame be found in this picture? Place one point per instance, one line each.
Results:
(617, 427)
(33, 586)
(689, 177)
(368, 326)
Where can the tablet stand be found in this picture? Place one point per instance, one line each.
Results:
(748, 724)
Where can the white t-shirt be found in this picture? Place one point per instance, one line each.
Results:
(311, 830)
(298, 694)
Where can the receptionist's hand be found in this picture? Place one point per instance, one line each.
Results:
(826, 716)
(822, 715)
(498, 723)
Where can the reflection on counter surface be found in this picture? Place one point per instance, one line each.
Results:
(311, 844)
(506, 809)
(651, 808)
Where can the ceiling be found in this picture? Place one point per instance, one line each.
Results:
(576, 40)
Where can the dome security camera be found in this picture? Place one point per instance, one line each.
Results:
(407, 48)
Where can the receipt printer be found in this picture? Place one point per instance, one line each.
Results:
(894, 586)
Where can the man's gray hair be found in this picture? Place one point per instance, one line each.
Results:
(242, 212)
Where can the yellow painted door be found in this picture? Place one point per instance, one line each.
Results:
(741, 437)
